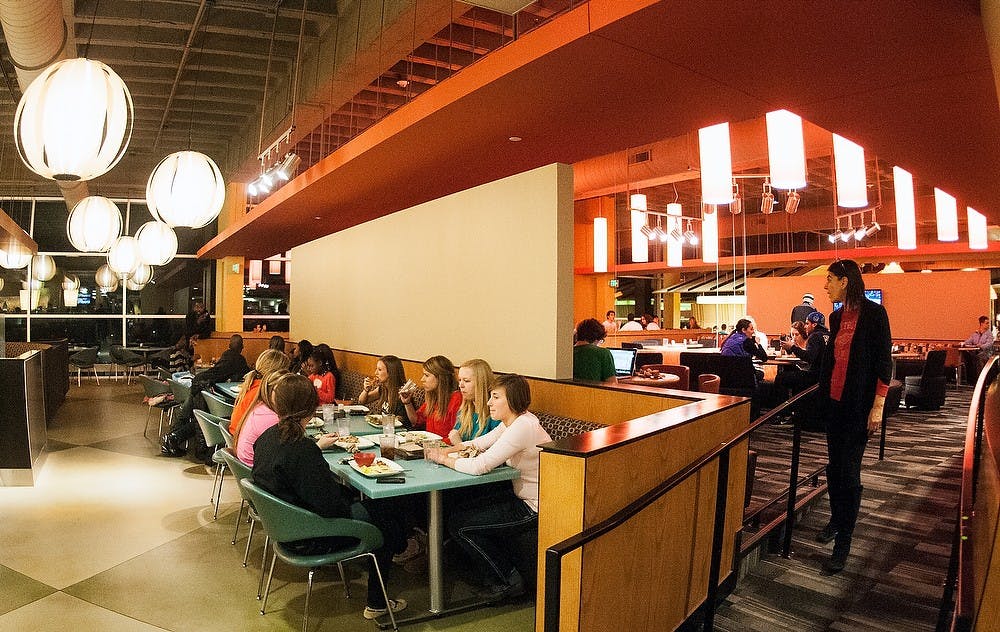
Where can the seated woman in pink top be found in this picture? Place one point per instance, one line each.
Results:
(262, 416)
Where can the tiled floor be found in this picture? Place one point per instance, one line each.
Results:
(114, 537)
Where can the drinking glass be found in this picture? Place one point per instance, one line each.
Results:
(329, 412)
(388, 424)
(430, 446)
(343, 426)
(387, 445)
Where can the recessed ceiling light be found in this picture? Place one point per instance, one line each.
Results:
(317, 217)
(515, 139)
(969, 269)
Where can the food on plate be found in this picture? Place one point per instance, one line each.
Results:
(651, 374)
(379, 466)
(375, 420)
(467, 452)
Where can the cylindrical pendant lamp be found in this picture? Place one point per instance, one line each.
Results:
(786, 150)
(640, 243)
(977, 229)
(947, 216)
(852, 181)
(600, 244)
(709, 235)
(906, 223)
(716, 164)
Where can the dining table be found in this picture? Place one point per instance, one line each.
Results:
(421, 476)
(665, 380)
(229, 389)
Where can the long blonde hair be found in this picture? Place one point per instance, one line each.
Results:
(483, 376)
(263, 396)
(267, 362)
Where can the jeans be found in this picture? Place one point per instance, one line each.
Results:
(489, 528)
(185, 426)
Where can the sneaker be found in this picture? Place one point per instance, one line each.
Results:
(513, 589)
(414, 549)
(375, 613)
(828, 533)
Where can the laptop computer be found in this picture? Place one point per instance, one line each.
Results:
(624, 361)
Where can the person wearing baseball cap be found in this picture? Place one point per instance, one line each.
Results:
(790, 381)
(800, 312)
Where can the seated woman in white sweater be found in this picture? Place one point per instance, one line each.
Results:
(489, 525)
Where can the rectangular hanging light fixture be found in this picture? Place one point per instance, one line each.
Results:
(906, 222)
(600, 244)
(640, 244)
(676, 233)
(255, 272)
(977, 229)
(710, 234)
(637, 202)
(716, 164)
(947, 215)
(786, 152)
(288, 269)
(849, 163)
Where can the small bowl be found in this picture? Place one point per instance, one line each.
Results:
(364, 459)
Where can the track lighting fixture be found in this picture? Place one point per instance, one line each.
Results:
(648, 232)
(792, 202)
(874, 228)
(834, 236)
(736, 206)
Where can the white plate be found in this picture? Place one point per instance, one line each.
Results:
(361, 444)
(315, 422)
(391, 467)
(399, 424)
(356, 410)
(416, 436)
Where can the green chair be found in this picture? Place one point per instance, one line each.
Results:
(153, 390)
(127, 360)
(241, 471)
(85, 359)
(217, 406)
(284, 522)
(214, 439)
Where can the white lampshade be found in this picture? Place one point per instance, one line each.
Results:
(709, 236)
(640, 244)
(94, 224)
(906, 223)
(852, 182)
(185, 189)
(71, 282)
(255, 273)
(786, 151)
(637, 202)
(1, 284)
(157, 243)
(288, 272)
(133, 286)
(947, 216)
(106, 278)
(141, 275)
(71, 297)
(600, 244)
(13, 255)
(977, 229)
(43, 267)
(716, 164)
(123, 256)
(74, 121)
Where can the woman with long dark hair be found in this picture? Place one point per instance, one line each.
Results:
(854, 379)
(381, 394)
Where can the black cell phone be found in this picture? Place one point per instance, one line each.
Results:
(391, 479)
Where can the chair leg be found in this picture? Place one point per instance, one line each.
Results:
(263, 562)
(96, 377)
(145, 428)
(305, 610)
(267, 589)
(238, 517)
(343, 578)
(246, 552)
(78, 382)
(388, 606)
(218, 495)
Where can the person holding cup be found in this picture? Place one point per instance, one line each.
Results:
(475, 377)
(383, 391)
(442, 398)
(494, 527)
(291, 466)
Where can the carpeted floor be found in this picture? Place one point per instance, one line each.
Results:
(894, 578)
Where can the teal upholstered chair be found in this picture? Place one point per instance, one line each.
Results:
(241, 471)
(85, 359)
(217, 406)
(284, 522)
(155, 390)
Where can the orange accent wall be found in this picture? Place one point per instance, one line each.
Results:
(592, 294)
(939, 305)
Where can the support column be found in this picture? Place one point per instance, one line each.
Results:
(229, 271)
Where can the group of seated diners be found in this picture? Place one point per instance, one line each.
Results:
(467, 406)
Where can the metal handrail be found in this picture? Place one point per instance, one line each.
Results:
(555, 553)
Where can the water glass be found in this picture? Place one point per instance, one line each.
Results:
(387, 445)
(343, 426)
(329, 412)
(431, 446)
(388, 425)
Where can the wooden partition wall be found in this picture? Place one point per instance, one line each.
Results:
(651, 572)
(674, 335)
(254, 343)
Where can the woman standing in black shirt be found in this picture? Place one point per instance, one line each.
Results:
(291, 466)
(854, 379)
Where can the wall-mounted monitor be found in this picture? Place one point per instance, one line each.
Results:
(873, 295)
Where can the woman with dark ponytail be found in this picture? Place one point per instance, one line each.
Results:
(291, 466)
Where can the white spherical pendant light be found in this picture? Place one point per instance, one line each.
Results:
(106, 278)
(141, 275)
(123, 256)
(1, 284)
(94, 224)
(74, 121)
(43, 267)
(185, 189)
(157, 243)
(13, 255)
(132, 286)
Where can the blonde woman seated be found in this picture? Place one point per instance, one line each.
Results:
(491, 526)
(267, 363)
(381, 394)
(475, 378)
(261, 417)
(441, 398)
(291, 466)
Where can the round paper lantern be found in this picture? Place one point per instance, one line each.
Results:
(74, 121)
(14, 256)
(123, 256)
(71, 282)
(94, 224)
(133, 286)
(1, 284)
(157, 243)
(185, 189)
(43, 267)
(106, 278)
(141, 275)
